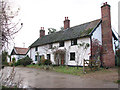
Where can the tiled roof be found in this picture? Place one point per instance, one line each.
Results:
(19, 51)
(70, 33)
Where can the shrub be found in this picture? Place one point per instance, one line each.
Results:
(33, 63)
(16, 63)
(39, 63)
(19, 62)
(26, 61)
(13, 59)
(11, 64)
(44, 62)
(47, 62)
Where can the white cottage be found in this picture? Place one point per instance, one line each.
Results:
(18, 53)
(73, 44)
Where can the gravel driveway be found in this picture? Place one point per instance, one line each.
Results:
(47, 79)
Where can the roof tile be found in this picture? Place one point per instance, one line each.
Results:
(70, 33)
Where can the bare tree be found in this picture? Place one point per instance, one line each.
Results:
(8, 79)
(8, 25)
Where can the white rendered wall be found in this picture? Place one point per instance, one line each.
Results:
(113, 44)
(17, 57)
(80, 52)
(44, 50)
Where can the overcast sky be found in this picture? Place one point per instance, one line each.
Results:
(35, 14)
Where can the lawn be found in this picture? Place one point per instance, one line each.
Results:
(62, 69)
(66, 69)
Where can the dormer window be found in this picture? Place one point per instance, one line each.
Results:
(36, 48)
(73, 42)
(61, 44)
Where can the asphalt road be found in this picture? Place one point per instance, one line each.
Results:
(46, 79)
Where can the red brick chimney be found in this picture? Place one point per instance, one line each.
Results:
(108, 57)
(66, 23)
(42, 32)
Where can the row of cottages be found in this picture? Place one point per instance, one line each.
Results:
(18, 53)
(73, 44)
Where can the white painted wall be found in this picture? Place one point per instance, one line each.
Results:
(80, 52)
(113, 44)
(17, 57)
(44, 50)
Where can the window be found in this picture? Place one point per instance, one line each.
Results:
(36, 48)
(73, 42)
(48, 56)
(35, 57)
(50, 46)
(72, 56)
(61, 44)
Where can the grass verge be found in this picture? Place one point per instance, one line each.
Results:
(66, 69)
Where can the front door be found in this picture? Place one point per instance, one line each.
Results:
(62, 59)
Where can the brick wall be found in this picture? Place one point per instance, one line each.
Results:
(66, 23)
(42, 32)
(108, 57)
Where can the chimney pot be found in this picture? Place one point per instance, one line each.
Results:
(67, 18)
(43, 28)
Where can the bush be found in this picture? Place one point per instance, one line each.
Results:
(44, 62)
(24, 61)
(47, 62)
(16, 64)
(19, 62)
(33, 63)
(39, 63)
(13, 59)
(11, 64)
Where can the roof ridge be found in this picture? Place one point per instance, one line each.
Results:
(85, 23)
(66, 34)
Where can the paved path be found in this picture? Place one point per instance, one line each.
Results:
(46, 79)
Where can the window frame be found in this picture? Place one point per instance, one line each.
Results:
(73, 42)
(36, 48)
(48, 56)
(36, 57)
(50, 46)
(71, 57)
(61, 44)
